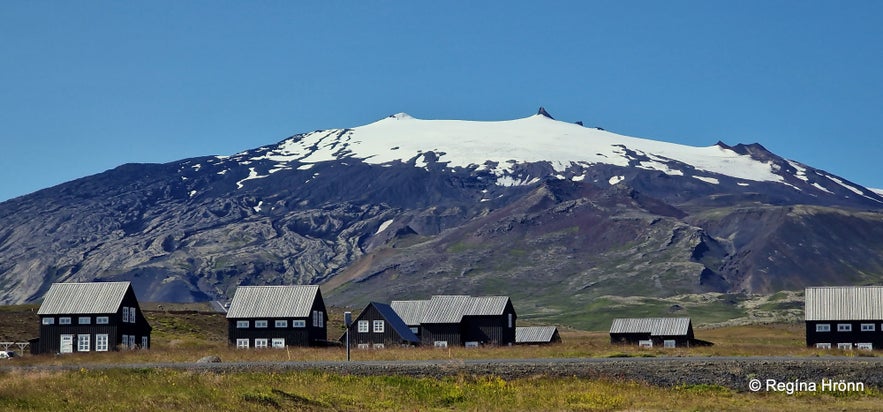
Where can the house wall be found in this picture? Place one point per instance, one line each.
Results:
(488, 330)
(432, 332)
(389, 337)
(853, 337)
(628, 338)
(309, 335)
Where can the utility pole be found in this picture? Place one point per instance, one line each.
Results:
(347, 320)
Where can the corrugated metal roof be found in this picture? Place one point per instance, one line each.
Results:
(653, 326)
(448, 308)
(411, 311)
(844, 303)
(534, 334)
(92, 297)
(273, 301)
(396, 322)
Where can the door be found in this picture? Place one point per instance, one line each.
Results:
(67, 344)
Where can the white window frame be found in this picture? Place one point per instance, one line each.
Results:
(125, 314)
(84, 320)
(362, 326)
(378, 346)
(511, 321)
(102, 342)
(84, 342)
(132, 315)
(865, 346)
(242, 324)
(378, 326)
(363, 346)
(440, 344)
(844, 327)
(49, 320)
(64, 320)
(646, 343)
(844, 346)
(280, 323)
(261, 343)
(145, 342)
(278, 343)
(415, 330)
(298, 323)
(471, 344)
(669, 343)
(869, 327)
(823, 327)
(823, 345)
(102, 320)
(242, 344)
(261, 324)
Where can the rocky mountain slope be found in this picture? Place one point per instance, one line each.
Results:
(553, 213)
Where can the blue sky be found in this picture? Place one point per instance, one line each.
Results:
(87, 86)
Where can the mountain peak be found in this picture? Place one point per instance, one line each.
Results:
(543, 112)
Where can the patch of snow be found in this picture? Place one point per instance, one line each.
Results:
(822, 188)
(252, 174)
(705, 179)
(222, 172)
(877, 191)
(307, 166)
(743, 184)
(196, 167)
(257, 208)
(801, 171)
(615, 179)
(511, 181)
(842, 183)
(579, 178)
(383, 226)
(192, 193)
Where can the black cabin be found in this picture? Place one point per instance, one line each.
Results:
(849, 317)
(277, 316)
(378, 326)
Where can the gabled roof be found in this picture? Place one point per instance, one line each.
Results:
(273, 301)
(410, 311)
(449, 308)
(535, 334)
(395, 322)
(83, 298)
(844, 303)
(653, 326)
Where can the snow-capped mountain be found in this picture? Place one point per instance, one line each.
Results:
(553, 213)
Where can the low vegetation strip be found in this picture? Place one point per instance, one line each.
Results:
(729, 372)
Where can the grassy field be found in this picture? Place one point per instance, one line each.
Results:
(185, 334)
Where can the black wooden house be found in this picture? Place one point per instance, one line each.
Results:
(849, 317)
(458, 320)
(277, 316)
(379, 326)
(650, 332)
(91, 317)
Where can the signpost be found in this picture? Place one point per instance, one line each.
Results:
(347, 320)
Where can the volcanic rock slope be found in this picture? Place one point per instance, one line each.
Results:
(552, 213)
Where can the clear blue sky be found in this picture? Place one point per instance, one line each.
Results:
(88, 85)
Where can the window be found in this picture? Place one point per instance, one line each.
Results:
(318, 319)
(278, 342)
(125, 314)
(363, 346)
(145, 342)
(844, 327)
(101, 342)
(511, 321)
(64, 321)
(82, 343)
(868, 327)
(84, 320)
(127, 343)
(241, 343)
(132, 316)
(260, 343)
(823, 346)
(844, 346)
(281, 323)
(865, 346)
(669, 343)
(298, 324)
(378, 346)
(440, 344)
(415, 330)
(48, 321)
(378, 326)
(66, 344)
(823, 327)
(260, 324)
(645, 343)
(102, 320)
(471, 344)
(363, 326)
(242, 324)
